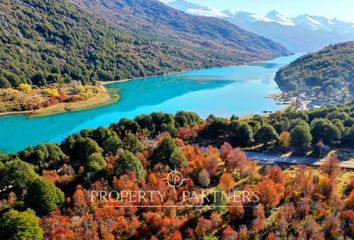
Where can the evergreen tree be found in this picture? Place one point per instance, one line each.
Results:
(43, 196)
(128, 162)
(266, 134)
(17, 225)
(95, 163)
(132, 143)
(301, 137)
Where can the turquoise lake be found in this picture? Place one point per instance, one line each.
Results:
(224, 91)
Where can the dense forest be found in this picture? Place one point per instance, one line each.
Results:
(329, 72)
(56, 41)
(46, 190)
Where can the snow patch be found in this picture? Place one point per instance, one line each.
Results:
(206, 12)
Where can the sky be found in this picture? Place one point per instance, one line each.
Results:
(340, 9)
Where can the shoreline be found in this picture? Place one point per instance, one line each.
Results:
(188, 70)
(103, 98)
(139, 78)
(110, 96)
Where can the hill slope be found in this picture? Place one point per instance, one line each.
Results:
(56, 41)
(214, 37)
(328, 71)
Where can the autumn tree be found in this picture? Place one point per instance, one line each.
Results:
(243, 233)
(348, 221)
(204, 226)
(176, 235)
(272, 236)
(269, 193)
(331, 167)
(229, 234)
(178, 159)
(225, 149)
(170, 129)
(204, 178)
(216, 220)
(283, 218)
(331, 226)
(276, 174)
(325, 187)
(227, 181)
(284, 139)
(349, 201)
(258, 223)
(236, 210)
(211, 164)
(235, 159)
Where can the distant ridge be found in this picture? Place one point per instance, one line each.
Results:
(305, 33)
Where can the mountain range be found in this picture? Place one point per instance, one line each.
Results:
(304, 33)
(45, 41)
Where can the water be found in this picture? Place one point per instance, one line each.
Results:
(221, 91)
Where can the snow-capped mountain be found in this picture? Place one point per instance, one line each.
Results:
(195, 9)
(313, 22)
(274, 16)
(324, 24)
(304, 33)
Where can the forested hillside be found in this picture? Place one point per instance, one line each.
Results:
(212, 37)
(55, 41)
(51, 191)
(328, 71)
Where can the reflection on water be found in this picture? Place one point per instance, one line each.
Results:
(154, 91)
(221, 91)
